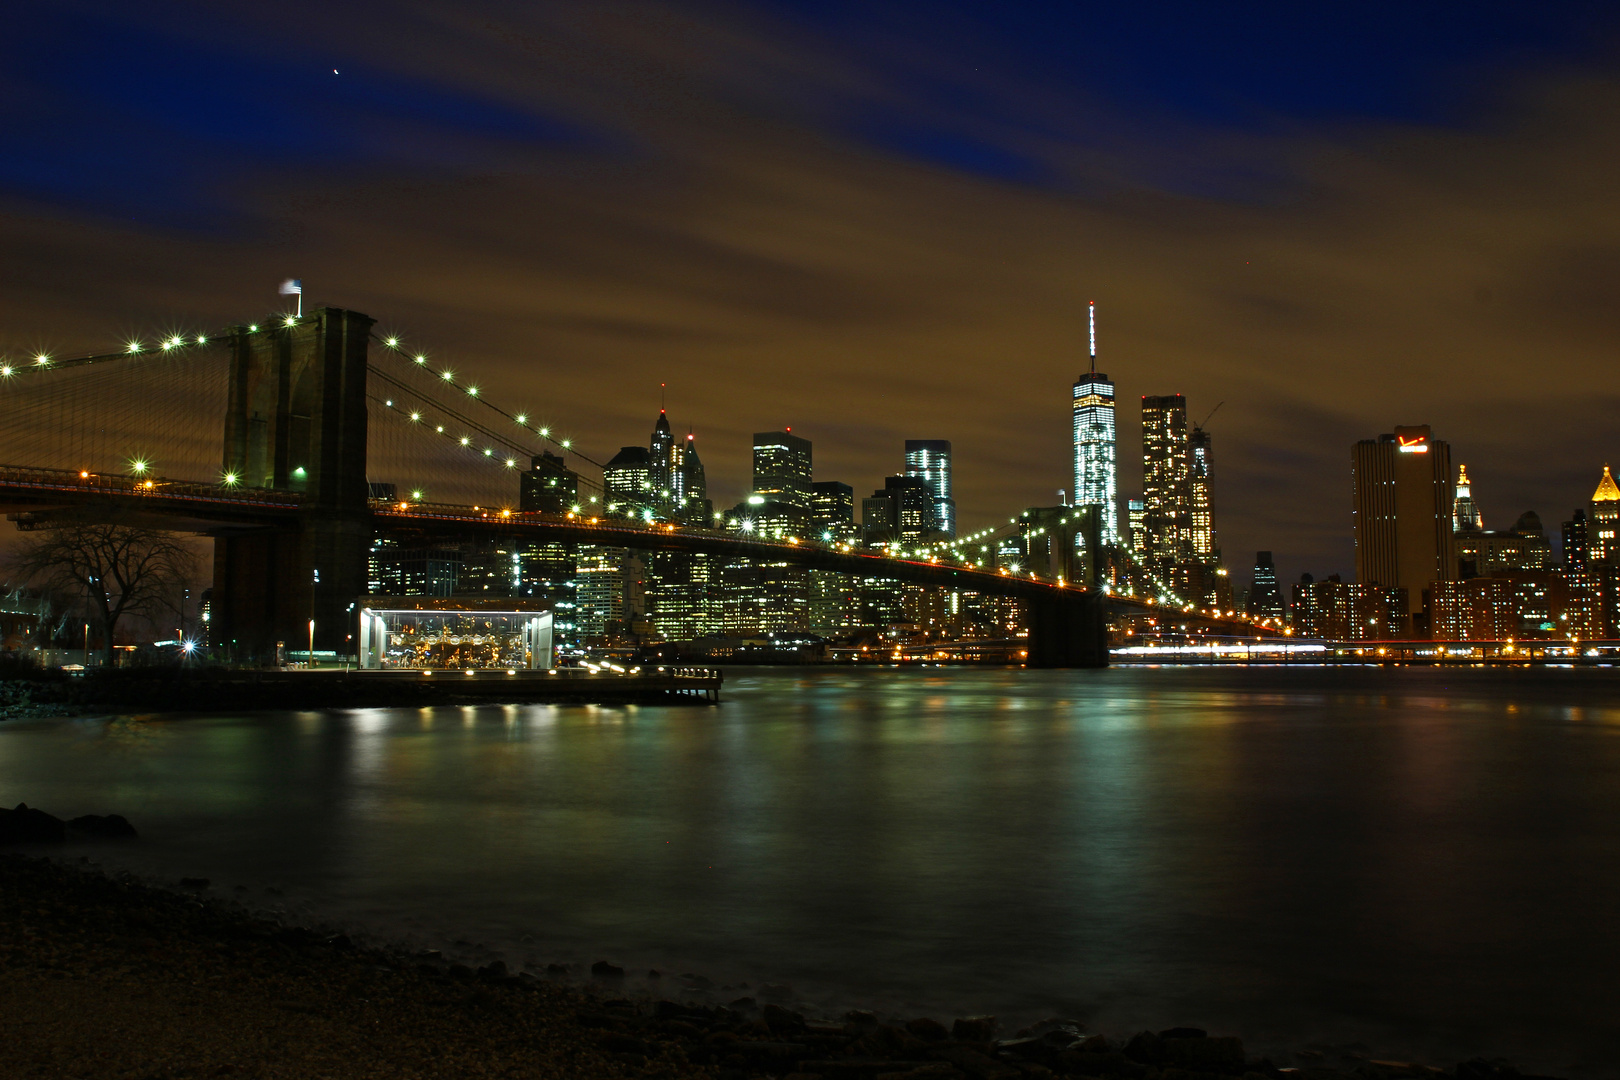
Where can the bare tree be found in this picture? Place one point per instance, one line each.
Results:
(120, 569)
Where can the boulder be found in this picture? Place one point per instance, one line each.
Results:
(1223, 1054)
(975, 1028)
(604, 970)
(927, 1029)
(1144, 1047)
(25, 825)
(781, 1020)
(887, 1041)
(103, 826)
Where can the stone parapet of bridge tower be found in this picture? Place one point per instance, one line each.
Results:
(296, 421)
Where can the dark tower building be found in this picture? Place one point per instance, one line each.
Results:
(549, 485)
(1265, 598)
(663, 464)
(1404, 513)
(1574, 551)
(832, 510)
(627, 483)
(900, 511)
(782, 469)
(694, 507)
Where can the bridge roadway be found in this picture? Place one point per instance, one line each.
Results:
(1067, 621)
(30, 495)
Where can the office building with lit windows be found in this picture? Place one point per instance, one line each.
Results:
(1166, 488)
(782, 469)
(1265, 598)
(627, 484)
(929, 460)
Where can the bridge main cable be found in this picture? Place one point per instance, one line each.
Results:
(471, 390)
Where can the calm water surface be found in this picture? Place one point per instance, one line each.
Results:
(1426, 861)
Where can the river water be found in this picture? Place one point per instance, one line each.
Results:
(1423, 861)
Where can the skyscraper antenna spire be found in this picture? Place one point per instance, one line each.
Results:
(1094, 337)
(661, 402)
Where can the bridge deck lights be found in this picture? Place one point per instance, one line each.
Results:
(291, 320)
(392, 343)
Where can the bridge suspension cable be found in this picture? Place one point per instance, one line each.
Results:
(418, 361)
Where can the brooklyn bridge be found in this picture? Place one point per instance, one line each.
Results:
(281, 440)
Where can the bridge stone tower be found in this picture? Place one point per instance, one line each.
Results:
(296, 422)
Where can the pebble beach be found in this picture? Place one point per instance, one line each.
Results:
(104, 976)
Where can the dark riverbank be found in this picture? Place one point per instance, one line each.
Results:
(39, 693)
(111, 977)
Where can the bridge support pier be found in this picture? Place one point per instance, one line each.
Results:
(297, 421)
(1068, 630)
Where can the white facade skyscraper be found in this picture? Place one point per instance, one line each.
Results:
(1095, 473)
(930, 461)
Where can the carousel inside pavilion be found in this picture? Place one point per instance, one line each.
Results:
(427, 633)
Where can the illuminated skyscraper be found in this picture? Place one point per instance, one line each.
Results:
(1095, 473)
(929, 460)
(1465, 515)
(1404, 511)
(1200, 515)
(1166, 488)
(1603, 527)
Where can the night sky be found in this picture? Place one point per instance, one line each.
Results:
(875, 222)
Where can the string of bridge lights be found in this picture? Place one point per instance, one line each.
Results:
(171, 344)
(447, 375)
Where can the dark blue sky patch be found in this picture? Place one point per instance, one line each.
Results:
(130, 120)
(963, 153)
(1222, 64)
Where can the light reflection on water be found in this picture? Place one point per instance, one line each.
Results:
(1425, 860)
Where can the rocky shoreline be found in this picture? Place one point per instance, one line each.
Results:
(112, 977)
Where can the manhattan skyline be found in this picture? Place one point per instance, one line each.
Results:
(870, 243)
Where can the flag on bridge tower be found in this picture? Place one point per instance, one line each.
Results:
(294, 287)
